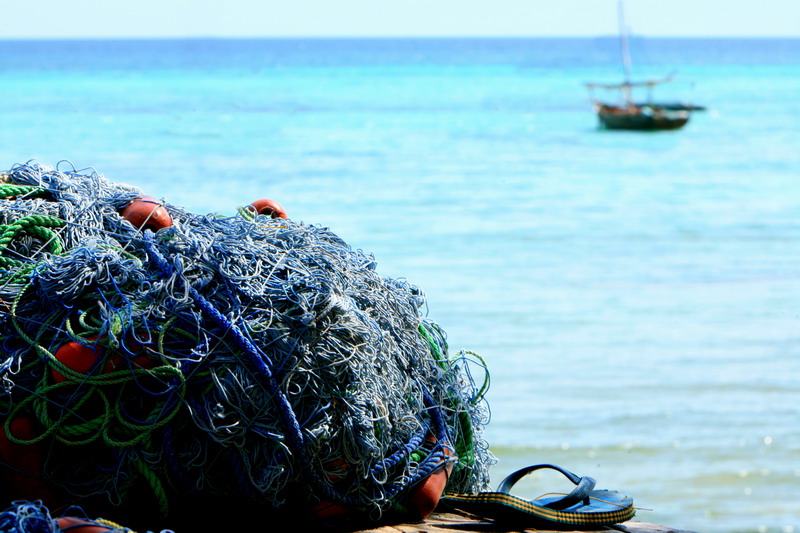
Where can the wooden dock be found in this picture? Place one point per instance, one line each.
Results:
(453, 523)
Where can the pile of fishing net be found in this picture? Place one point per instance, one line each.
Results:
(156, 361)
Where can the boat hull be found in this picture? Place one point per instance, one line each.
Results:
(641, 118)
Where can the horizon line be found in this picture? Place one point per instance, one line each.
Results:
(376, 37)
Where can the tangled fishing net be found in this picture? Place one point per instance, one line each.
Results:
(250, 360)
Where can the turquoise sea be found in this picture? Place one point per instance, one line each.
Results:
(636, 295)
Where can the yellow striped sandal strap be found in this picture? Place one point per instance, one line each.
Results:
(584, 506)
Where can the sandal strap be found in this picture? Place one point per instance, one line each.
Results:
(584, 485)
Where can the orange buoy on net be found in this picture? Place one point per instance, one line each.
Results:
(147, 213)
(80, 525)
(422, 498)
(268, 207)
(326, 509)
(83, 359)
(425, 496)
(78, 357)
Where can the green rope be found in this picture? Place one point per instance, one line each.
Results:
(92, 410)
(96, 413)
(20, 273)
(434, 346)
(155, 485)
(35, 225)
(15, 322)
(247, 213)
(486, 380)
(10, 190)
(465, 438)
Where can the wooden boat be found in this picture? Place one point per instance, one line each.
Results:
(647, 115)
(631, 115)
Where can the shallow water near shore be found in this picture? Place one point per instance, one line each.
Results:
(635, 295)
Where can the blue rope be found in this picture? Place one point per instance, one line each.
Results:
(257, 359)
(435, 412)
(26, 517)
(434, 460)
(285, 361)
(400, 454)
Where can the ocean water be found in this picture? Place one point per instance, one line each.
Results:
(636, 295)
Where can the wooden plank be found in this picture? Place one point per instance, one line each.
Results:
(453, 523)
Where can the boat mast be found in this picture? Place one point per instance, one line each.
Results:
(626, 53)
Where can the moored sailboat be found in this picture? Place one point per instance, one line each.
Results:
(632, 115)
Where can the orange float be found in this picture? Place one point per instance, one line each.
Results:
(425, 496)
(79, 525)
(77, 357)
(327, 510)
(147, 213)
(268, 207)
(421, 502)
(82, 358)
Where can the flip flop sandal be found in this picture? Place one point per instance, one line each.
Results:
(584, 506)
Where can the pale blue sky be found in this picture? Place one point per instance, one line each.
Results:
(280, 18)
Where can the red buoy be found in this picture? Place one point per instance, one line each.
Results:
(77, 357)
(82, 359)
(421, 502)
(268, 207)
(327, 510)
(425, 496)
(79, 525)
(147, 213)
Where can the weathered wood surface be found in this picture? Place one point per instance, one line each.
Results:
(452, 523)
